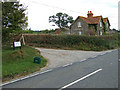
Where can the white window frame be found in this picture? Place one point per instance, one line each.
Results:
(79, 24)
(100, 24)
(80, 32)
(101, 33)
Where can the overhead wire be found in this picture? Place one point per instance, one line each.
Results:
(55, 7)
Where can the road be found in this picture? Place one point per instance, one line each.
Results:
(57, 58)
(119, 68)
(98, 72)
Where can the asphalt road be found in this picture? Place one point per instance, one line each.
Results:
(98, 72)
(119, 68)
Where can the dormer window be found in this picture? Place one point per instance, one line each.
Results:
(100, 24)
(79, 24)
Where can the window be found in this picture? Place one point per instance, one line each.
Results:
(101, 33)
(80, 33)
(79, 24)
(100, 24)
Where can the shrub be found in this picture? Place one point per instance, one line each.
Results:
(73, 41)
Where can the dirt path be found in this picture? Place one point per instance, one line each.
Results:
(57, 58)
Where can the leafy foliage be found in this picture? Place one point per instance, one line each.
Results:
(61, 19)
(95, 43)
(13, 17)
(105, 26)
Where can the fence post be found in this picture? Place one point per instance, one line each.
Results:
(23, 39)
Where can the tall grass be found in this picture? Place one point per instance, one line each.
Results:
(20, 62)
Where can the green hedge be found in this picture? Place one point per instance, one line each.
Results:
(77, 42)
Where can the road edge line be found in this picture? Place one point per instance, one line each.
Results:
(29, 76)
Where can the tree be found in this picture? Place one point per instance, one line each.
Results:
(13, 17)
(113, 29)
(62, 20)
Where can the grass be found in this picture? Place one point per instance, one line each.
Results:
(20, 62)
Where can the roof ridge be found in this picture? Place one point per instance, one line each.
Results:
(106, 17)
(90, 17)
(91, 20)
(97, 16)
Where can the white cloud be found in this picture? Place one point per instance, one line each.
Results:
(40, 10)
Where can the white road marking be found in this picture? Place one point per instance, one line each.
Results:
(34, 74)
(94, 56)
(14, 80)
(66, 65)
(80, 79)
(10, 82)
(71, 63)
(25, 77)
(46, 71)
(83, 60)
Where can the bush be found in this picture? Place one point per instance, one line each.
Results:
(73, 41)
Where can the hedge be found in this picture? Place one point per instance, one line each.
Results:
(77, 42)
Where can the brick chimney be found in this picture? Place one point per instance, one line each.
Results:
(90, 14)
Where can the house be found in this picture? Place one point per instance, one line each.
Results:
(90, 25)
(57, 31)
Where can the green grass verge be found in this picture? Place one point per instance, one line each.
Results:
(20, 62)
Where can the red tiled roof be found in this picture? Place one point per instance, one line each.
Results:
(92, 20)
(105, 19)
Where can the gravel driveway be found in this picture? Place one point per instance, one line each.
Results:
(57, 58)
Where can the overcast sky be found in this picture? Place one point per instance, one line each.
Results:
(40, 10)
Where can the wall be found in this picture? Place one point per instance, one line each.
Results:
(75, 29)
(85, 29)
(100, 28)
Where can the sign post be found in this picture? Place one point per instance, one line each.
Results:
(17, 44)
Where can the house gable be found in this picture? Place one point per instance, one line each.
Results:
(89, 23)
(106, 20)
(75, 29)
